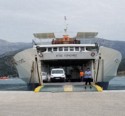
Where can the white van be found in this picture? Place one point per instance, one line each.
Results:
(58, 74)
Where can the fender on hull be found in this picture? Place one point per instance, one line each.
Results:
(104, 85)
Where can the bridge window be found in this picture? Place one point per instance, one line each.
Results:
(60, 49)
(71, 48)
(76, 48)
(43, 49)
(90, 48)
(82, 48)
(65, 48)
(54, 49)
(49, 49)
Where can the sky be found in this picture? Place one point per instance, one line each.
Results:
(19, 19)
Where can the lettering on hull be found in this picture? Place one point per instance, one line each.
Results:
(65, 55)
(20, 61)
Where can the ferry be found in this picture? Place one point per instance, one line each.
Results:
(70, 53)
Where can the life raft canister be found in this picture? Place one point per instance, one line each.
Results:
(66, 38)
(92, 54)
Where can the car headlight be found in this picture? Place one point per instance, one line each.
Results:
(63, 75)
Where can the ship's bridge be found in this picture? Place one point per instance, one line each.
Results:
(67, 51)
(82, 46)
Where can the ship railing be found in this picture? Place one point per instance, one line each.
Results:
(67, 49)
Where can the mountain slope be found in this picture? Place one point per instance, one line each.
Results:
(6, 46)
(8, 50)
(117, 45)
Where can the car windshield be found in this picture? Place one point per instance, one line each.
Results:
(57, 71)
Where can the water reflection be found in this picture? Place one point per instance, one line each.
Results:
(118, 83)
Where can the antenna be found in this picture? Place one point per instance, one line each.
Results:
(66, 25)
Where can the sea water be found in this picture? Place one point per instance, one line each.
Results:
(13, 84)
(117, 83)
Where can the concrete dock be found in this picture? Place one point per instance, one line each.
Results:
(28, 103)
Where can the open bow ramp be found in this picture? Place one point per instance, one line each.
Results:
(68, 88)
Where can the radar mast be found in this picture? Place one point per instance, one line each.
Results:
(66, 25)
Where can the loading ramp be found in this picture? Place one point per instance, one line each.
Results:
(68, 87)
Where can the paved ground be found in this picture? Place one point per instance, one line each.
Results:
(23, 103)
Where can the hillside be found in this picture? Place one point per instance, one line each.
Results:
(118, 45)
(6, 65)
(7, 51)
(6, 46)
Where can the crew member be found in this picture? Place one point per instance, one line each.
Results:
(88, 77)
(81, 75)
